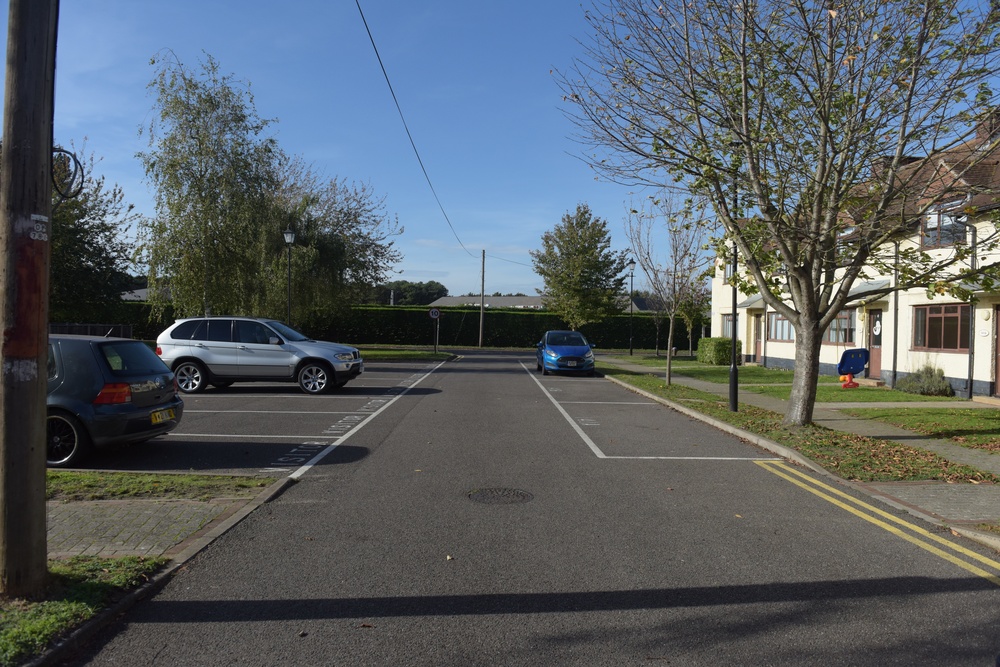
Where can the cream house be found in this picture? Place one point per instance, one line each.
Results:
(903, 330)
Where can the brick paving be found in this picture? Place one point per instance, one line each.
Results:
(111, 528)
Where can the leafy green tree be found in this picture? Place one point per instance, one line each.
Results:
(816, 131)
(406, 293)
(91, 247)
(583, 277)
(215, 175)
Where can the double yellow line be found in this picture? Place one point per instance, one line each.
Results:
(916, 535)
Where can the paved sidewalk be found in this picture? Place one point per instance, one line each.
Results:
(177, 529)
(959, 506)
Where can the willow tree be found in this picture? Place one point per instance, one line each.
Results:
(829, 120)
(344, 245)
(583, 276)
(214, 173)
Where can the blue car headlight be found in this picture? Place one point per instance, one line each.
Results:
(589, 355)
(551, 354)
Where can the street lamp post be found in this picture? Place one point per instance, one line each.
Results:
(631, 303)
(289, 240)
(734, 367)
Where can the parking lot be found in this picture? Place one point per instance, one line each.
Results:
(274, 429)
(557, 519)
(265, 429)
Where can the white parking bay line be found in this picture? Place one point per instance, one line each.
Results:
(609, 403)
(270, 412)
(329, 448)
(175, 434)
(601, 455)
(576, 427)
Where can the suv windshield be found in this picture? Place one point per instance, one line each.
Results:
(286, 331)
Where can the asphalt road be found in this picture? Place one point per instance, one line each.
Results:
(478, 513)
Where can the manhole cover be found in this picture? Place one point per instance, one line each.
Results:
(500, 496)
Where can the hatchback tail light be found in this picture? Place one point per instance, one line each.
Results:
(159, 351)
(114, 393)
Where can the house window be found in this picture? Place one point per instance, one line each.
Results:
(943, 229)
(841, 330)
(941, 327)
(778, 328)
(727, 326)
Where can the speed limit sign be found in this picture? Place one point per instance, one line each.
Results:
(435, 313)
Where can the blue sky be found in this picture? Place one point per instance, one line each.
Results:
(474, 80)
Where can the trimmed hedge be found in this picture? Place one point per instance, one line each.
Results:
(719, 351)
(412, 325)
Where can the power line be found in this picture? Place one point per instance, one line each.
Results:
(406, 127)
(510, 261)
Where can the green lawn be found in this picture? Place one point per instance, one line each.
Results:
(827, 393)
(718, 374)
(977, 428)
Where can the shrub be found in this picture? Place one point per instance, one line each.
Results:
(928, 381)
(719, 351)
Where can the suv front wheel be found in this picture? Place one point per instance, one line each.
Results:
(315, 377)
(191, 377)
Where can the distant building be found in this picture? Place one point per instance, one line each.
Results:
(525, 302)
(517, 302)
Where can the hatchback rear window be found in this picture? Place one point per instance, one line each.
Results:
(131, 358)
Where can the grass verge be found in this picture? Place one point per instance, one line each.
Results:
(78, 589)
(403, 354)
(71, 485)
(82, 586)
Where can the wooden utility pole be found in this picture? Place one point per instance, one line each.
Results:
(25, 229)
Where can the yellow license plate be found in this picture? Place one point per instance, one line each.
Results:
(161, 416)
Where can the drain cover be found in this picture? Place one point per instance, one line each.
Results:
(500, 496)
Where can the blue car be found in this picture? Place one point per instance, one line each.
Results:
(565, 351)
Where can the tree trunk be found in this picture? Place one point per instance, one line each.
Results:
(808, 340)
(670, 347)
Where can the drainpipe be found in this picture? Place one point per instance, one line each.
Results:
(895, 315)
(972, 314)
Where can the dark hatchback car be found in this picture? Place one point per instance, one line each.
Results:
(564, 351)
(105, 391)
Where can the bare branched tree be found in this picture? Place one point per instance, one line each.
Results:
(840, 125)
(674, 277)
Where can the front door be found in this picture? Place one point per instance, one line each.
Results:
(996, 320)
(758, 339)
(875, 343)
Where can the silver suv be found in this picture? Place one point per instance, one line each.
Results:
(223, 350)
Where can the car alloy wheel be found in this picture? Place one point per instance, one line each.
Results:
(66, 440)
(190, 377)
(315, 378)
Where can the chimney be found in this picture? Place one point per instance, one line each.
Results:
(988, 125)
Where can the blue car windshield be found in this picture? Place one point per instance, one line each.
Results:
(286, 331)
(568, 339)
